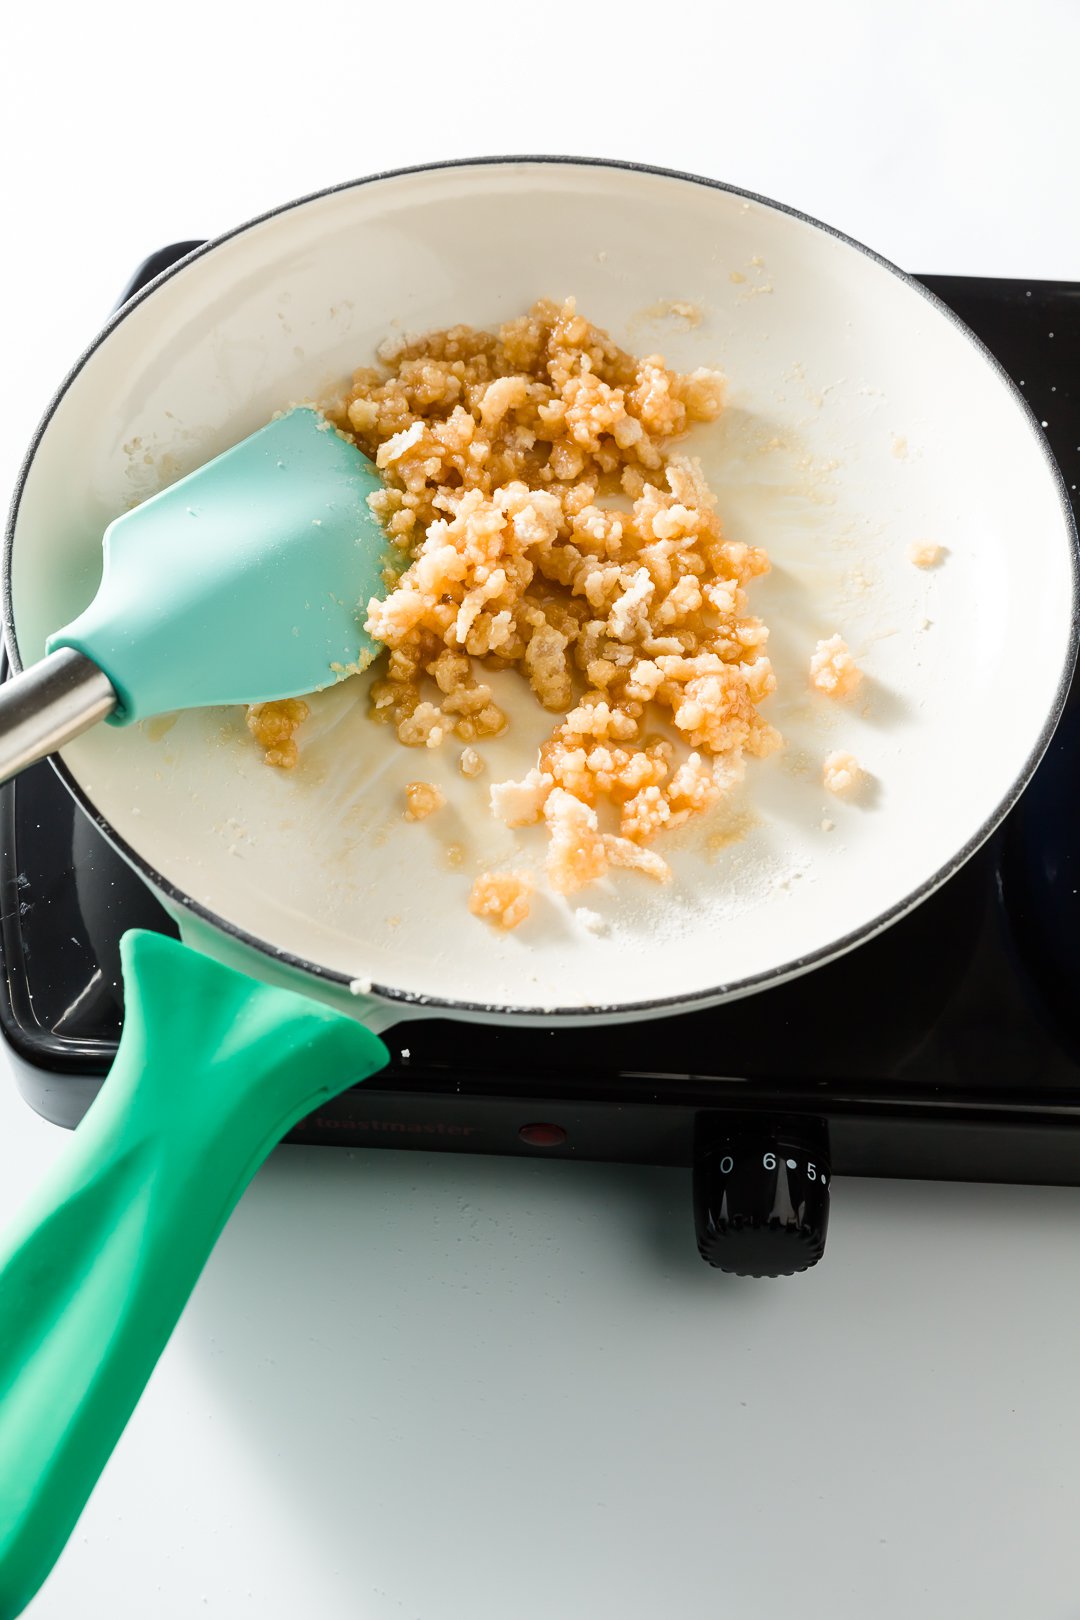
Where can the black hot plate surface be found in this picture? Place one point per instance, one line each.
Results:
(963, 1011)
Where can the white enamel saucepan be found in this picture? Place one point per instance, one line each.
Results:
(863, 418)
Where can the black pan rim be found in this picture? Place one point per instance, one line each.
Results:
(539, 1014)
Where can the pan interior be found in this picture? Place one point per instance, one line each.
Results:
(861, 420)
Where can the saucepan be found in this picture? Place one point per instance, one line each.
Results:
(863, 420)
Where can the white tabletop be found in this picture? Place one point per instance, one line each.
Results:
(416, 1387)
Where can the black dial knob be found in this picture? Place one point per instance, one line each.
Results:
(761, 1196)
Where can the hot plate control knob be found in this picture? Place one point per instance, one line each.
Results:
(761, 1197)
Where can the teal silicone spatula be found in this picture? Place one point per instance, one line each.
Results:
(213, 1069)
(246, 581)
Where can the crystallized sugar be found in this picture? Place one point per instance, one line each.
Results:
(501, 898)
(422, 799)
(833, 671)
(509, 461)
(842, 773)
(925, 554)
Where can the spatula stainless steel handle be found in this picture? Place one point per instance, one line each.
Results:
(245, 582)
(48, 705)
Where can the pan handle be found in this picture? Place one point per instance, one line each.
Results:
(49, 704)
(213, 1069)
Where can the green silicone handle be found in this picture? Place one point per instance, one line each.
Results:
(213, 1069)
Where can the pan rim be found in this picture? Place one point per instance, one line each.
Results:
(540, 1014)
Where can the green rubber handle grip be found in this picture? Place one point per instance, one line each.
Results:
(213, 1069)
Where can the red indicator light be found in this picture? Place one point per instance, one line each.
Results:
(543, 1135)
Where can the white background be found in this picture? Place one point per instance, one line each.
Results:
(414, 1388)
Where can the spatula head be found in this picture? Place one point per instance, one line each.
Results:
(248, 580)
